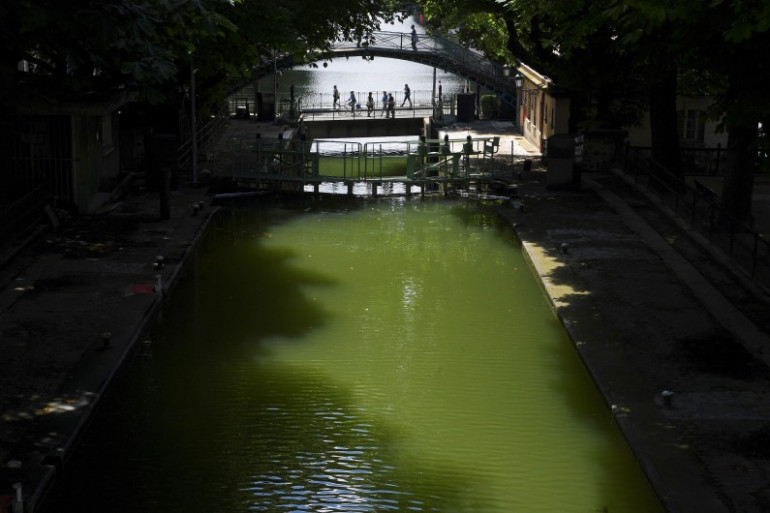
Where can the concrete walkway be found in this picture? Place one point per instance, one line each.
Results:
(647, 308)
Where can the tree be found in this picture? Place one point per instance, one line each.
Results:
(737, 43)
(571, 42)
(608, 52)
(83, 46)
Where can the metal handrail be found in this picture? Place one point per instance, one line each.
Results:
(322, 105)
(206, 133)
(436, 51)
(431, 50)
(697, 161)
(268, 158)
(699, 206)
(431, 47)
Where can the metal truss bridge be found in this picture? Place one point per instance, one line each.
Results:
(431, 51)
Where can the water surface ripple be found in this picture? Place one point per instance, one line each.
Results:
(371, 355)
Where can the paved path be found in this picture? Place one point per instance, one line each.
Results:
(647, 309)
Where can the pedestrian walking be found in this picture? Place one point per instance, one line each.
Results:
(414, 39)
(336, 96)
(391, 106)
(407, 96)
(352, 102)
(369, 105)
(384, 104)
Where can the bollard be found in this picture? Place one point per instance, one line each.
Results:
(564, 248)
(668, 398)
(106, 340)
(158, 284)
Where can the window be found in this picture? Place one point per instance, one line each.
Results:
(692, 125)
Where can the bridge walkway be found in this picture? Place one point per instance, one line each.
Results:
(431, 50)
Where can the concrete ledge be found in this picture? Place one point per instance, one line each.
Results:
(673, 470)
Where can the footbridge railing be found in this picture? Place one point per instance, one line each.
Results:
(429, 50)
(435, 51)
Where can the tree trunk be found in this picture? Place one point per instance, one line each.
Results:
(739, 175)
(663, 123)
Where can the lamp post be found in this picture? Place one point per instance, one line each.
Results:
(518, 81)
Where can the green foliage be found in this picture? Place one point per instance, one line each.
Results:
(83, 46)
(80, 46)
(473, 24)
(489, 106)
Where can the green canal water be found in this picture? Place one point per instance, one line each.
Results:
(383, 355)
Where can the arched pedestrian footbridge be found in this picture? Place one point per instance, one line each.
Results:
(430, 50)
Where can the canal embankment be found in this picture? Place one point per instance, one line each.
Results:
(73, 306)
(681, 366)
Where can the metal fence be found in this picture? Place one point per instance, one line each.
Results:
(430, 50)
(420, 103)
(699, 206)
(207, 133)
(697, 161)
(322, 105)
(438, 51)
(300, 160)
(38, 152)
(36, 166)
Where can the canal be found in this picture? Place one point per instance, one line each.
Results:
(355, 355)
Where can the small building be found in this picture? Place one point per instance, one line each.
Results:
(543, 107)
(696, 128)
(65, 148)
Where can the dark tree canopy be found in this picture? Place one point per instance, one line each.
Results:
(82, 46)
(617, 55)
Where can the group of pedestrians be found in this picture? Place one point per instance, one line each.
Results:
(387, 101)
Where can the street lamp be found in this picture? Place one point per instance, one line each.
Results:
(518, 79)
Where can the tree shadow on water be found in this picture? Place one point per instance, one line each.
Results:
(240, 287)
(267, 437)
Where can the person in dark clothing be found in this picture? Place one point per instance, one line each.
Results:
(407, 96)
(384, 104)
